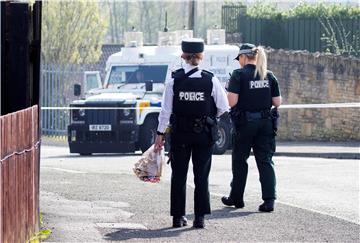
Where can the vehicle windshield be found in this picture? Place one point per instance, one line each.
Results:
(137, 74)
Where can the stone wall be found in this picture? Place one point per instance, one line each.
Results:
(313, 78)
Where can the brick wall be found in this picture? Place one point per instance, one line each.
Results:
(307, 78)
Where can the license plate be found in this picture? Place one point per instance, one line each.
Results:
(100, 127)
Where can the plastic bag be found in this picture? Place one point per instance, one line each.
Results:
(150, 165)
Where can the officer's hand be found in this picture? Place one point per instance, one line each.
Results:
(159, 143)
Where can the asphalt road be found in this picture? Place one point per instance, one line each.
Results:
(97, 198)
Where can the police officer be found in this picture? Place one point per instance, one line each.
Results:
(252, 91)
(192, 100)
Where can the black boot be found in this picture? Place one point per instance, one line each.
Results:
(199, 222)
(179, 221)
(228, 201)
(267, 206)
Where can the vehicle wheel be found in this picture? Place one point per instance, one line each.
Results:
(222, 144)
(148, 133)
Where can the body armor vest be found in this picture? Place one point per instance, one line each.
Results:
(255, 94)
(192, 96)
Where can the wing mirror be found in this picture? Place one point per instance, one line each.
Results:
(77, 89)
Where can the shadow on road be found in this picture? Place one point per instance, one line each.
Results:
(226, 212)
(126, 234)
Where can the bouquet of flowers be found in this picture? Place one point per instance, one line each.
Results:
(149, 167)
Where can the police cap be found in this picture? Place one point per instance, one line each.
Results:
(245, 48)
(192, 45)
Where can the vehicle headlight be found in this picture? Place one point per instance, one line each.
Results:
(82, 112)
(126, 112)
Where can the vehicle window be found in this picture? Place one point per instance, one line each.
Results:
(137, 74)
(91, 81)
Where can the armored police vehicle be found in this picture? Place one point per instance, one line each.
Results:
(122, 114)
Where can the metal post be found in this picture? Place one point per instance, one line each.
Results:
(0, 62)
(36, 52)
(192, 16)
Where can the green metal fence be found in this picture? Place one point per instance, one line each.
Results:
(290, 33)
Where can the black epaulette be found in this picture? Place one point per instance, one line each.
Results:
(178, 73)
(269, 75)
(236, 73)
(269, 72)
(239, 70)
(205, 72)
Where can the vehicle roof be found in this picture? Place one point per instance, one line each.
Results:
(131, 55)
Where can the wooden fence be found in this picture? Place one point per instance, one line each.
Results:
(19, 175)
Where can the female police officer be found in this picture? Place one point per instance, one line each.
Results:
(252, 91)
(192, 100)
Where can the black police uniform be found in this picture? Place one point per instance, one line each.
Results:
(253, 129)
(191, 136)
(191, 101)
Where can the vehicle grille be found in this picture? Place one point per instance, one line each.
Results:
(101, 116)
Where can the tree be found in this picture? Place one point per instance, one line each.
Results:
(72, 32)
(149, 17)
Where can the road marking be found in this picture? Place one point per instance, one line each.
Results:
(319, 212)
(295, 206)
(122, 226)
(63, 170)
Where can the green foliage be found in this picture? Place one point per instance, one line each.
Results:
(42, 234)
(72, 32)
(264, 11)
(234, 3)
(268, 11)
(337, 39)
(338, 34)
(324, 10)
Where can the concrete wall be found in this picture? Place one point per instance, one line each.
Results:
(313, 78)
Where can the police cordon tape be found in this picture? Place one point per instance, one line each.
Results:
(285, 106)
(317, 106)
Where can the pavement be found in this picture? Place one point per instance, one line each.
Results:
(98, 199)
(335, 150)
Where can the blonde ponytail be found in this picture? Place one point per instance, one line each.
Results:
(261, 62)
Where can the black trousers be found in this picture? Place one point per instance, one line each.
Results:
(201, 158)
(259, 136)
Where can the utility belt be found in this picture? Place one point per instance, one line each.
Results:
(248, 116)
(251, 116)
(240, 117)
(205, 124)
